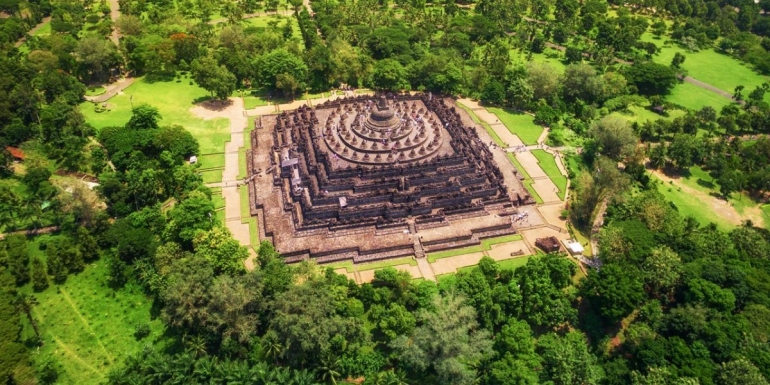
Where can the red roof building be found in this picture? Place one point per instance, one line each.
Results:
(16, 153)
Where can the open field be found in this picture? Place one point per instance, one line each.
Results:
(641, 114)
(174, 100)
(693, 97)
(548, 164)
(519, 124)
(87, 327)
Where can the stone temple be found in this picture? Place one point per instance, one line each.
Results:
(368, 178)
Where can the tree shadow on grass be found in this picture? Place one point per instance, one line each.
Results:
(705, 183)
(673, 172)
(215, 104)
(159, 77)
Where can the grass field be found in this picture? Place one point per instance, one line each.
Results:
(87, 327)
(548, 163)
(695, 98)
(691, 207)
(520, 124)
(642, 114)
(527, 179)
(174, 101)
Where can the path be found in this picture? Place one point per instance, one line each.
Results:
(30, 233)
(230, 185)
(114, 14)
(111, 90)
(32, 31)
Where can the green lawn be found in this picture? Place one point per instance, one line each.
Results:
(691, 207)
(716, 69)
(45, 30)
(695, 98)
(87, 327)
(212, 176)
(487, 128)
(548, 163)
(766, 214)
(351, 267)
(485, 245)
(527, 179)
(519, 124)
(95, 91)
(246, 217)
(642, 114)
(208, 161)
(174, 101)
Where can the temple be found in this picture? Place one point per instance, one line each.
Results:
(368, 178)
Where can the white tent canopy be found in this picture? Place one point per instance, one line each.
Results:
(575, 248)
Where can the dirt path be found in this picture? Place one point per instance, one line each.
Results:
(29, 233)
(238, 122)
(32, 31)
(114, 14)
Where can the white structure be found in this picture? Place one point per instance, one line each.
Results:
(575, 248)
(193, 159)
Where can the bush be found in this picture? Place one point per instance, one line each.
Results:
(141, 331)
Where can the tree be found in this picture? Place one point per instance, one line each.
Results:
(581, 81)
(38, 275)
(662, 271)
(221, 250)
(144, 117)
(614, 291)
(543, 303)
(614, 137)
(215, 78)
(543, 80)
(96, 55)
(652, 78)
(566, 359)
(677, 61)
(740, 371)
(389, 74)
(277, 62)
(196, 212)
(17, 257)
(308, 325)
(493, 93)
(447, 344)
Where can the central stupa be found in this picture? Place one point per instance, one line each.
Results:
(376, 132)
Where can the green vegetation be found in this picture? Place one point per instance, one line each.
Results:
(528, 181)
(520, 124)
(485, 245)
(694, 97)
(547, 162)
(87, 328)
(350, 267)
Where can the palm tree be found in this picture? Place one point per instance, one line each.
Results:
(272, 348)
(195, 345)
(328, 371)
(24, 303)
(303, 377)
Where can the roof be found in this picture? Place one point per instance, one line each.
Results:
(16, 152)
(575, 248)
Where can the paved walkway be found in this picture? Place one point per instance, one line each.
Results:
(114, 15)
(229, 183)
(111, 90)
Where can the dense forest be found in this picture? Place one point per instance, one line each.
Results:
(672, 301)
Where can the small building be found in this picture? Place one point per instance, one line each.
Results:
(548, 244)
(575, 248)
(193, 159)
(16, 153)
